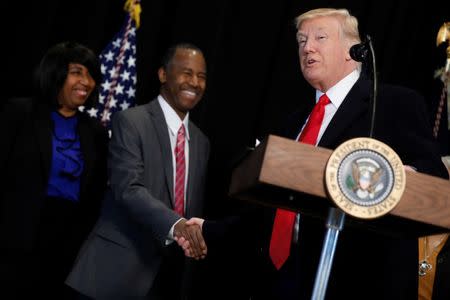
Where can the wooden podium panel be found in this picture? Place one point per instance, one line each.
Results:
(282, 173)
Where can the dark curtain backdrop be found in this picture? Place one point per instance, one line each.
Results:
(254, 78)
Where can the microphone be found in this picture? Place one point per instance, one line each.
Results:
(359, 53)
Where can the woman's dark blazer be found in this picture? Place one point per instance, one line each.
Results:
(25, 160)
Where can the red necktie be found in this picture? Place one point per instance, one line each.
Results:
(280, 242)
(180, 171)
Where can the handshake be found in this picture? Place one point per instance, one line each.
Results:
(188, 235)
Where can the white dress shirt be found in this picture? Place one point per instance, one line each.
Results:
(174, 123)
(336, 94)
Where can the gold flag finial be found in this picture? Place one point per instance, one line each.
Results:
(133, 7)
(443, 74)
(444, 36)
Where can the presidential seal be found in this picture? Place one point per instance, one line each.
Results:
(365, 178)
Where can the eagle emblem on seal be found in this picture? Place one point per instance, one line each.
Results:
(364, 179)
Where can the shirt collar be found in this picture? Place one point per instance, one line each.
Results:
(172, 119)
(339, 91)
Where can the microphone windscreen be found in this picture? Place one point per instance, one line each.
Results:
(359, 52)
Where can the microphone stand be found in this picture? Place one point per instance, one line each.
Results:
(373, 97)
(336, 217)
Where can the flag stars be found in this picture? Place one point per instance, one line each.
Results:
(116, 43)
(103, 69)
(112, 102)
(131, 62)
(131, 92)
(119, 89)
(125, 76)
(106, 115)
(93, 112)
(118, 68)
(124, 105)
(113, 72)
(109, 56)
(106, 85)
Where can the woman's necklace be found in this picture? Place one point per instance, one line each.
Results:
(434, 241)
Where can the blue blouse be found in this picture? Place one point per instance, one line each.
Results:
(67, 159)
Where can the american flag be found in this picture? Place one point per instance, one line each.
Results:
(441, 128)
(118, 67)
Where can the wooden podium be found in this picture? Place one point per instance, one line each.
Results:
(279, 172)
(284, 173)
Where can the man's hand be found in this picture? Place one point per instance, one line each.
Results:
(198, 221)
(409, 168)
(188, 235)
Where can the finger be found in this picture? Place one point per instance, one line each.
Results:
(198, 237)
(194, 249)
(185, 245)
(190, 222)
(187, 253)
(180, 241)
(194, 220)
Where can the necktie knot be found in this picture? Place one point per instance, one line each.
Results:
(181, 131)
(323, 100)
(311, 130)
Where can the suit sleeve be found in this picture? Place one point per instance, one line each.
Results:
(423, 150)
(10, 118)
(126, 173)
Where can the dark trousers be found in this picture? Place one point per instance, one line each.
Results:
(169, 283)
(292, 281)
(295, 279)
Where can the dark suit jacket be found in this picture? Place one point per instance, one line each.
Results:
(441, 288)
(369, 265)
(25, 158)
(122, 255)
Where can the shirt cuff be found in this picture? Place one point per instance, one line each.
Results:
(170, 237)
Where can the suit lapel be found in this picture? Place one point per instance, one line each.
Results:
(43, 129)
(192, 173)
(162, 131)
(87, 144)
(354, 104)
